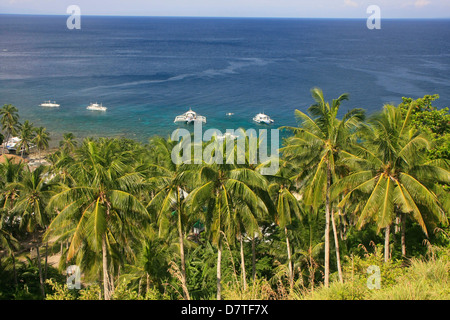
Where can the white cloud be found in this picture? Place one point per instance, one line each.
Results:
(350, 3)
(421, 3)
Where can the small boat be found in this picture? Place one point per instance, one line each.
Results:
(96, 107)
(49, 104)
(230, 114)
(262, 118)
(189, 117)
(12, 143)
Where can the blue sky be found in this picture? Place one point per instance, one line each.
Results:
(236, 8)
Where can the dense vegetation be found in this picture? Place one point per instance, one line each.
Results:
(351, 193)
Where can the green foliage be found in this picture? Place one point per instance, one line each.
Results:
(436, 122)
(125, 213)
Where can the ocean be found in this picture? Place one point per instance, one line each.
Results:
(148, 70)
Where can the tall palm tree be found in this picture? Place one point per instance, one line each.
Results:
(317, 143)
(68, 144)
(26, 135)
(9, 120)
(11, 172)
(41, 139)
(8, 243)
(167, 180)
(286, 205)
(102, 203)
(221, 188)
(31, 205)
(392, 171)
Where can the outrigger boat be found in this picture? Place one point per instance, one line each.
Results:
(262, 118)
(189, 117)
(96, 107)
(49, 104)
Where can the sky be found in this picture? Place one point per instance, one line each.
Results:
(235, 8)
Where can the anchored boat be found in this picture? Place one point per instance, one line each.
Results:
(189, 117)
(49, 104)
(96, 107)
(262, 118)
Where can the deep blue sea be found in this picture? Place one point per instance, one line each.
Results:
(147, 70)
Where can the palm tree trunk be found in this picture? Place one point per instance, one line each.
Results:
(386, 243)
(336, 243)
(181, 240)
(16, 283)
(41, 279)
(147, 284)
(106, 289)
(244, 275)
(403, 235)
(46, 261)
(219, 271)
(4, 143)
(288, 247)
(253, 258)
(327, 228)
(183, 262)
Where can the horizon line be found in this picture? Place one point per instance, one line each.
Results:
(222, 17)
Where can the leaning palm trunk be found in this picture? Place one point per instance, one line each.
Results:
(386, 244)
(336, 242)
(253, 258)
(403, 233)
(183, 263)
(46, 261)
(244, 275)
(106, 288)
(327, 228)
(41, 279)
(291, 275)
(219, 271)
(4, 143)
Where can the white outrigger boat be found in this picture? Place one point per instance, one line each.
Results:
(49, 104)
(262, 118)
(96, 107)
(11, 144)
(189, 117)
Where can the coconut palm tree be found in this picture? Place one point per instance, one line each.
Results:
(34, 193)
(11, 172)
(221, 189)
(8, 243)
(9, 120)
(41, 139)
(167, 182)
(102, 203)
(316, 145)
(26, 135)
(393, 174)
(68, 144)
(286, 205)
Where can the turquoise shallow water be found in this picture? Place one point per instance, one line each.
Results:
(149, 70)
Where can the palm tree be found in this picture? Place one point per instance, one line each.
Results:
(392, 172)
(10, 173)
(286, 204)
(102, 203)
(26, 135)
(167, 181)
(41, 139)
(9, 120)
(31, 205)
(318, 141)
(68, 144)
(8, 243)
(223, 187)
